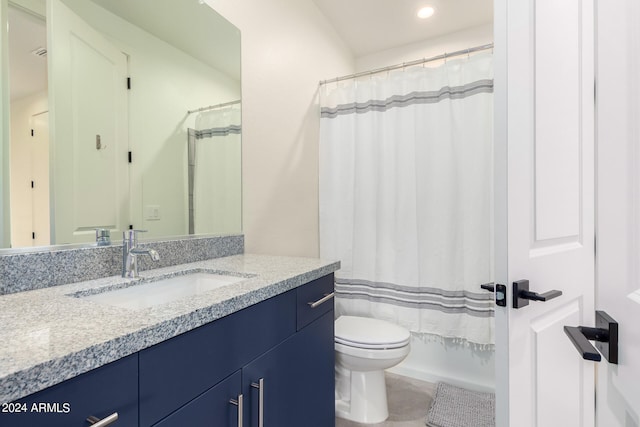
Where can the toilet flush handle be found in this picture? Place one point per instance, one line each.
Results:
(322, 300)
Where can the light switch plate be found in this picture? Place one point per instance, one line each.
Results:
(152, 213)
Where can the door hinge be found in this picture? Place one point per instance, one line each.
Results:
(130, 226)
(129, 83)
(33, 235)
(32, 132)
(32, 184)
(130, 157)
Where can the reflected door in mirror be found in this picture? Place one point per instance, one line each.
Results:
(89, 108)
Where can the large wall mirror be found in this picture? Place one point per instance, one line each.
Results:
(122, 113)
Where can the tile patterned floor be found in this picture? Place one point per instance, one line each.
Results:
(409, 401)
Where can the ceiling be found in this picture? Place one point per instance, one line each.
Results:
(27, 31)
(28, 72)
(193, 27)
(366, 26)
(369, 26)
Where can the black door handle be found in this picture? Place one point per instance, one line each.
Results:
(521, 294)
(534, 296)
(605, 334)
(579, 337)
(488, 287)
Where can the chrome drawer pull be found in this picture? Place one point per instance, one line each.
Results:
(326, 298)
(97, 422)
(238, 403)
(260, 386)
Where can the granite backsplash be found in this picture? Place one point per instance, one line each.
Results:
(23, 271)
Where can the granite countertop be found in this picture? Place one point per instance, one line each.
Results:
(49, 335)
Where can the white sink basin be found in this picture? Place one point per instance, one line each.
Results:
(163, 291)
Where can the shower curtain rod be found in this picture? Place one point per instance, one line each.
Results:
(409, 64)
(211, 107)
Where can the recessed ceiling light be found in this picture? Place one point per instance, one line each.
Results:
(426, 12)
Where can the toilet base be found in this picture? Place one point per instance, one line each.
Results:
(368, 398)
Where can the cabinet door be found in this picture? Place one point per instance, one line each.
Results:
(175, 371)
(99, 393)
(212, 408)
(298, 380)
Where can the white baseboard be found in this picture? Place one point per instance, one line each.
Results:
(435, 378)
(460, 365)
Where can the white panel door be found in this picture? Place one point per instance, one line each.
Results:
(40, 171)
(22, 153)
(88, 107)
(30, 178)
(545, 212)
(618, 204)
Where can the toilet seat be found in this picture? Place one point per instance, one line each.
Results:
(371, 346)
(368, 333)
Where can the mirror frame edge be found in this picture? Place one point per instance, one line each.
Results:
(5, 230)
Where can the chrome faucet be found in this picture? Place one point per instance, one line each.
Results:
(130, 252)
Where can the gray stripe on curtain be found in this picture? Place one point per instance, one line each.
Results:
(426, 97)
(419, 290)
(206, 133)
(420, 298)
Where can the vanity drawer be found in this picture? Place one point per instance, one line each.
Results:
(177, 370)
(313, 300)
(99, 393)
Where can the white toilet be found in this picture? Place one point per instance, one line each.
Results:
(365, 347)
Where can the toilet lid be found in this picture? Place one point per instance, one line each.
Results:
(365, 332)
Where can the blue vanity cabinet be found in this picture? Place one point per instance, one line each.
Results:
(292, 385)
(99, 393)
(297, 380)
(192, 379)
(176, 371)
(282, 344)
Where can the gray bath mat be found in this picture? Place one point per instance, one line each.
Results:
(456, 407)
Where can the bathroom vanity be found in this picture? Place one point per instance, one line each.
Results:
(258, 348)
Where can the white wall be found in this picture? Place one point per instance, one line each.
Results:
(287, 48)
(460, 40)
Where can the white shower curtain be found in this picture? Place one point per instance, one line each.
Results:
(217, 177)
(406, 197)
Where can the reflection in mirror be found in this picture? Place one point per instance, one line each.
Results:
(132, 121)
(29, 149)
(214, 189)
